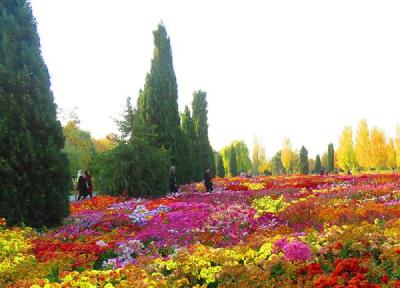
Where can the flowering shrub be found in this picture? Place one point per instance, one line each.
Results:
(267, 204)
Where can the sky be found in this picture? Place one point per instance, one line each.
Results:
(297, 69)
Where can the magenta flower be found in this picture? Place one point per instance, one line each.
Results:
(297, 251)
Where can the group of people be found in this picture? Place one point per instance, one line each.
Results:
(173, 188)
(84, 185)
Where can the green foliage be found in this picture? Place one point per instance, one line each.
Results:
(219, 165)
(135, 168)
(304, 161)
(33, 171)
(157, 116)
(109, 254)
(331, 158)
(242, 162)
(242, 156)
(276, 164)
(190, 140)
(317, 164)
(79, 147)
(203, 149)
(233, 163)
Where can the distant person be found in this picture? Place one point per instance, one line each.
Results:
(348, 172)
(208, 180)
(172, 180)
(89, 183)
(321, 172)
(82, 186)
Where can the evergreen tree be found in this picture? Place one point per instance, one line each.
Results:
(233, 163)
(303, 161)
(189, 137)
(317, 164)
(34, 174)
(331, 158)
(200, 119)
(157, 104)
(242, 156)
(134, 166)
(277, 167)
(219, 165)
(125, 126)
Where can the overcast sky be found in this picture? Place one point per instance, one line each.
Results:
(297, 69)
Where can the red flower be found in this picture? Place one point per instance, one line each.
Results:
(385, 279)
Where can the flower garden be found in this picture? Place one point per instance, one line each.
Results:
(297, 231)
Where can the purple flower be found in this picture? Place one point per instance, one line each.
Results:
(297, 251)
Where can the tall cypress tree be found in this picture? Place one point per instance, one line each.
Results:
(303, 161)
(189, 137)
(200, 119)
(33, 171)
(331, 158)
(220, 169)
(317, 164)
(233, 163)
(157, 104)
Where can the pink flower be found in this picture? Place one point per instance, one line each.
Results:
(297, 251)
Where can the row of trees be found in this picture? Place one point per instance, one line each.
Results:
(235, 158)
(38, 156)
(368, 150)
(155, 136)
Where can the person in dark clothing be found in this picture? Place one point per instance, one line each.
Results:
(89, 185)
(172, 180)
(82, 186)
(208, 181)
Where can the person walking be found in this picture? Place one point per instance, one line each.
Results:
(208, 180)
(172, 180)
(82, 186)
(89, 185)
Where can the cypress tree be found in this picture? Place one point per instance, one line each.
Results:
(157, 104)
(134, 166)
(233, 163)
(34, 174)
(189, 137)
(219, 165)
(317, 164)
(331, 158)
(199, 108)
(303, 161)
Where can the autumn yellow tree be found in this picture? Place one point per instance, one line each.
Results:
(260, 163)
(287, 154)
(345, 153)
(105, 144)
(391, 154)
(378, 149)
(362, 146)
(397, 145)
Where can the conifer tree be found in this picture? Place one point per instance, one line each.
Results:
(233, 163)
(303, 161)
(200, 119)
(157, 104)
(317, 164)
(331, 158)
(189, 137)
(33, 171)
(220, 169)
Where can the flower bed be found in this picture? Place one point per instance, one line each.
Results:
(297, 231)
